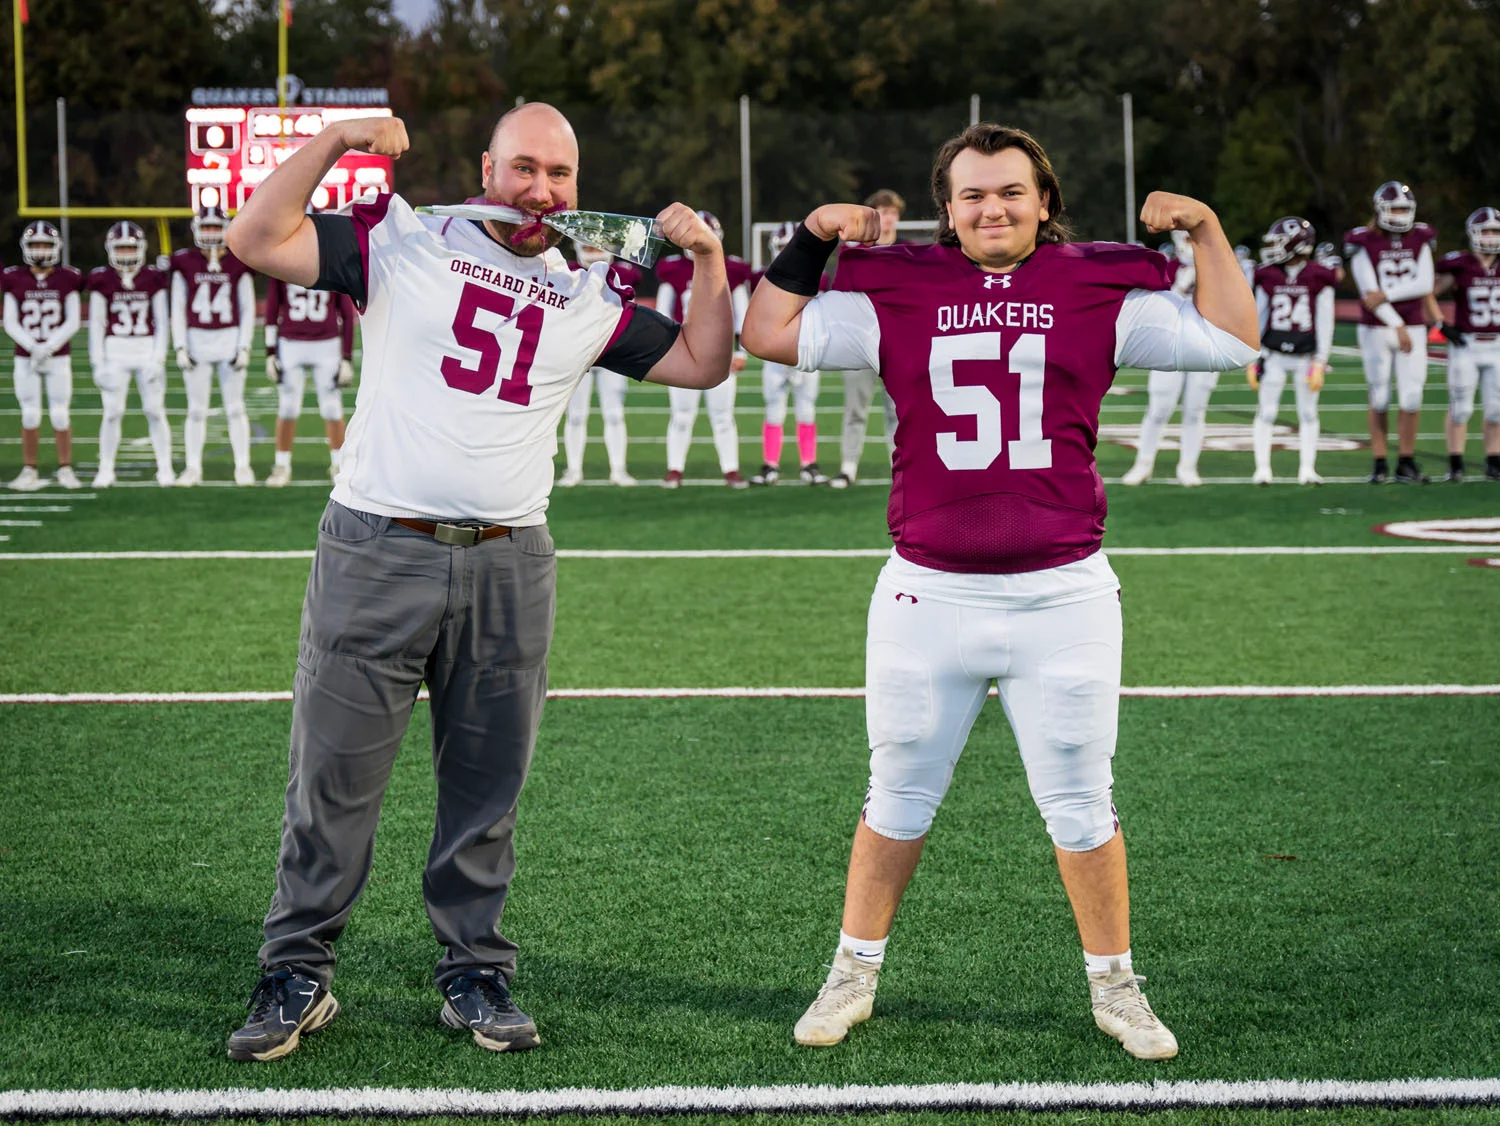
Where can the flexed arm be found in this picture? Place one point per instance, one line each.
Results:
(1222, 296)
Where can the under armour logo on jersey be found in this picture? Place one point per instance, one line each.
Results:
(991, 279)
(903, 594)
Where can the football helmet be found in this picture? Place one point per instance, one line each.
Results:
(589, 255)
(41, 245)
(713, 224)
(781, 237)
(1289, 237)
(1242, 252)
(1395, 207)
(208, 228)
(125, 247)
(1483, 227)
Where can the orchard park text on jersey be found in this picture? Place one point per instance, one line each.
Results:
(531, 290)
(994, 314)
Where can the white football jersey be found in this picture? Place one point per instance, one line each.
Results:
(471, 353)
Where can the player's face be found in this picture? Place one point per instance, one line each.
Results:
(995, 207)
(532, 164)
(889, 217)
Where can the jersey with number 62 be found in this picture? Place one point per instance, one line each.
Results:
(997, 381)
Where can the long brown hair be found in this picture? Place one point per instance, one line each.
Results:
(988, 138)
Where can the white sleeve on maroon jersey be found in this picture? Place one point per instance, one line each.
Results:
(1323, 324)
(840, 331)
(13, 327)
(740, 301)
(98, 315)
(1262, 308)
(1419, 286)
(246, 298)
(72, 318)
(179, 311)
(1364, 271)
(159, 340)
(1163, 331)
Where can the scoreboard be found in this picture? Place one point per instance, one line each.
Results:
(232, 149)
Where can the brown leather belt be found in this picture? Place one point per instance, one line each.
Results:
(462, 534)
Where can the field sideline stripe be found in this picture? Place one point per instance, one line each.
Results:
(773, 553)
(1142, 692)
(417, 1102)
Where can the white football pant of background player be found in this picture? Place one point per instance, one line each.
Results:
(684, 401)
(113, 373)
(1163, 389)
(860, 389)
(320, 361)
(1471, 367)
(1380, 350)
(576, 426)
(209, 353)
(30, 376)
(777, 381)
(1276, 369)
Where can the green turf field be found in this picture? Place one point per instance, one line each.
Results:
(1315, 891)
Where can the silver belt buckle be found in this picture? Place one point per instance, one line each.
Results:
(459, 535)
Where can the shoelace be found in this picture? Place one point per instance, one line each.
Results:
(270, 992)
(493, 992)
(841, 985)
(1125, 1000)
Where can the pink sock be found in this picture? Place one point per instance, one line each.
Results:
(807, 442)
(770, 444)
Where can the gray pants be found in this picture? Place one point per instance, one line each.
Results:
(860, 388)
(386, 609)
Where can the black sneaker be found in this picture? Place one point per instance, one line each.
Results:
(284, 1006)
(842, 481)
(1492, 472)
(768, 475)
(480, 1002)
(812, 475)
(1408, 472)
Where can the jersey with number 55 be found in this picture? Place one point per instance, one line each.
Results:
(997, 381)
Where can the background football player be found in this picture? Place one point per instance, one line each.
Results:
(1247, 263)
(779, 379)
(611, 393)
(309, 335)
(1294, 298)
(213, 321)
(128, 339)
(1473, 276)
(1391, 260)
(861, 387)
(41, 315)
(1327, 255)
(672, 298)
(1164, 388)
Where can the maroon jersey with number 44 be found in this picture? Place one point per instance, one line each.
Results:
(997, 381)
(212, 300)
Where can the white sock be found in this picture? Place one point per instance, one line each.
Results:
(865, 949)
(849, 469)
(1104, 963)
(284, 458)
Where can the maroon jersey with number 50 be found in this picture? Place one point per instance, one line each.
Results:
(997, 381)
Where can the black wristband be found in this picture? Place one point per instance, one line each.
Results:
(799, 267)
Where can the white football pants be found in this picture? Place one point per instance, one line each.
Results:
(113, 379)
(684, 406)
(777, 380)
(928, 668)
(1382, 356)
(212, 352)
(1163, 389)
(1470, 368)
(860, 389)
(28, 378)
(1275, 370)
(611, 406)
(318, 359)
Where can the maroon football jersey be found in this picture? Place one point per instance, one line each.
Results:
(1395, 260)
(300, 313)
(1476, 291)
(677, 272)
(130, 313)
(1291, 321)
(997, 381)
(627, 274)
(211, 294)
(41, 302)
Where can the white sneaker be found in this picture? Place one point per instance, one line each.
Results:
(1308, 477)
(280, 476)
(846, 998)
(67, 478)
(1137, 475)
(1121, 1009)
(166, 478)
(623, 479)
(103, 479)
(1188, 478)
(244, 475)
(192, 475)
(1261, 477)
(570, 478)
(28, 480)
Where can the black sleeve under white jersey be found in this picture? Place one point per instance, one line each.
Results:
(645, 340)
(341, 264)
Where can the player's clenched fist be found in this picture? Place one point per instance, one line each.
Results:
(847, 222)
(383, 136)
(680, 225)
(1164, 211)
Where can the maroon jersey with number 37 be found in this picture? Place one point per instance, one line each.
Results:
(997, 381)
(130, 311)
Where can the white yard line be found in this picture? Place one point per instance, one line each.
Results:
(430, 1101)
(1146, 692)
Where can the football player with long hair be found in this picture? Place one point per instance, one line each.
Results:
(42, 312)
(997, 343)
(1473, 277)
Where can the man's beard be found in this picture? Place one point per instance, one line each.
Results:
(529, 240)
